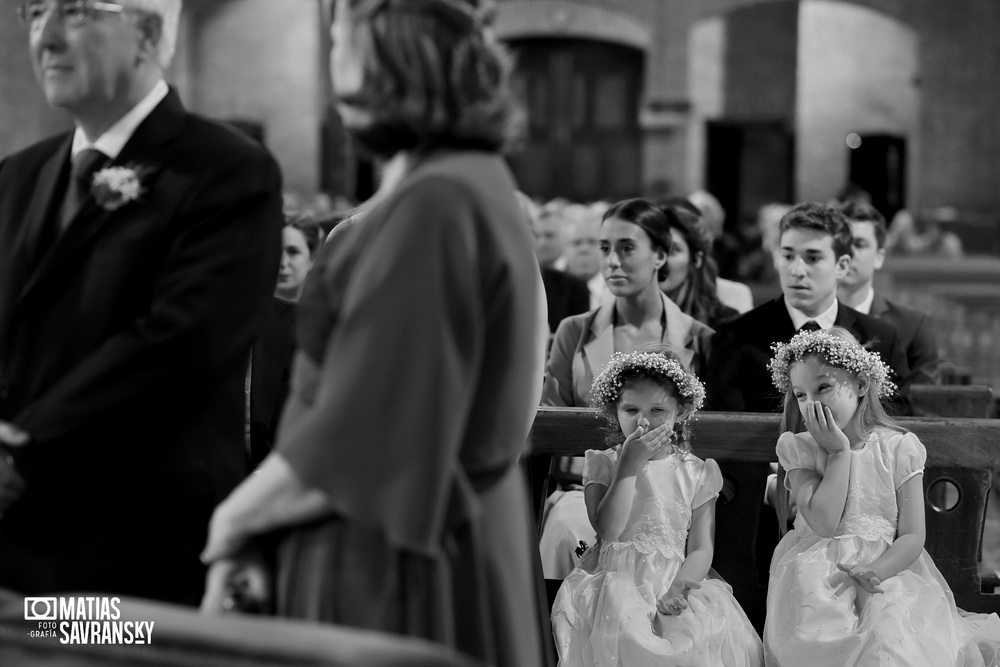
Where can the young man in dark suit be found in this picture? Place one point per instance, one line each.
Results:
(857, 290)
(814, 253)
(137, 255)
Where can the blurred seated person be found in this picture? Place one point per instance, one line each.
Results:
(582, 256)
(857, 290)
(909, 236)
(690, 281)
(271, 355)
(565, 295)
(727, 247)
(852, 192)
(721, 244)
(760, 263)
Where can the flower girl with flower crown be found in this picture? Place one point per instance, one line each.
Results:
(640, 596)
(852, 584)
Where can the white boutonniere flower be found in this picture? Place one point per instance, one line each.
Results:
(114, 187)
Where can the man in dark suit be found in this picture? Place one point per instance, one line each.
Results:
(137, 256)
(565, 295)
(857, 290)
(814, 254)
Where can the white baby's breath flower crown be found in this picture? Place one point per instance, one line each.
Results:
(836, 351)
(608, 384)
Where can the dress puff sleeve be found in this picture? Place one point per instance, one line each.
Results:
(710, 484)
(797, 451)
(599, 466)
(910, 458)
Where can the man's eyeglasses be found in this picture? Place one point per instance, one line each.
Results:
(75, 12)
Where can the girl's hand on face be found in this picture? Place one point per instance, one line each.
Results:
(823, 428)
(642, 444)
(863, 576)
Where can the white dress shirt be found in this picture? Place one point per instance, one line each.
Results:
(115, 137)
(866, 305)
(825, 319)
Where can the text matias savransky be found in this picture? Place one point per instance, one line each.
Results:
(85, 620)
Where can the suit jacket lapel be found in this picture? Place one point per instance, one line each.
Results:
(601, 345)
(784, 328)
(847, 318)
(677, 331)
(879, 306)
(45, 202)
(160, 127)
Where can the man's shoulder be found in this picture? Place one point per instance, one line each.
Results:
(903, 316)
(36, 154)
(756, 323)
(869, 329)
(215, 139)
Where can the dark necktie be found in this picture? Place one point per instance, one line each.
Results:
(811, 325)
(85, 164)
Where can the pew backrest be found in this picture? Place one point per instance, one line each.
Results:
(944, 400)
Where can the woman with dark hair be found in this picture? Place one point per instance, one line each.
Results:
(634, 244)
(300, 239)
(271, 355)
(394, 478)
(691, 272)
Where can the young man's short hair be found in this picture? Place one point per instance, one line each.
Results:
(820, 218)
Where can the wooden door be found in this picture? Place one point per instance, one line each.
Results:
(878, 166)
(582, 102)
(749, 164)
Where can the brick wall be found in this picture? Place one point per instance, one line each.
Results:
(262, 60)
(953, 131)
(247, 69)
(857, 69)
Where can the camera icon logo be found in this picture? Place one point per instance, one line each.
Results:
(40, 609)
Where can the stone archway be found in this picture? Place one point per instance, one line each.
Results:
(815, 70)
(520, 19)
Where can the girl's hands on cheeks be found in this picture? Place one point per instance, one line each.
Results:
(642, 444)
(823, 428)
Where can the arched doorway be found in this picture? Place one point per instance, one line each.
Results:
(582, 100)
(777, 87)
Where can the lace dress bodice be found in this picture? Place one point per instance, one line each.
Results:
(818, 615)
(885, 461)
(666, 492)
